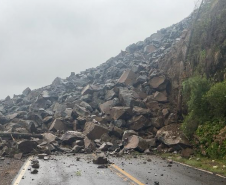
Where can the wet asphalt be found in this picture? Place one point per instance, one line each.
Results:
(150, 170)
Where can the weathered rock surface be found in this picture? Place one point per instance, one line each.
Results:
(70, 136)
(172, 135)
(94, 131)
(136, 142)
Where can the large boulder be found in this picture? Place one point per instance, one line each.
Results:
(35, 117)
(49, 138)
(89, 145)
(149, 49)
(94, 131)
(137, 143)
(70, 136)
(140, 111)
(110, 94)
(160, 97)
(121, 113)
(87, 90)
(106, 107)
(128, 97)
(3, 119)
(128, 77)
(26, 91)
(156, 81)
(59, 110)
(172, 135)
(80, 111)
(138, 122)
(57, 125)
(27, 146)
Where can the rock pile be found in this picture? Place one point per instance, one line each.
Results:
(126, 103)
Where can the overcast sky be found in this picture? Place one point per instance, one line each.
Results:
(44, 39)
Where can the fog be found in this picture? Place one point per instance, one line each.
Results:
(44, 39)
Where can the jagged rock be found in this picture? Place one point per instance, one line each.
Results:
(89, 145)
(27, 146)
(160, 97)
(128, 97)
(138, 122)
(87, 90)
(141, 111)
(81, 111)
(141, 79)
(48, 137)
(57, 81)
(120, 113)
(149, 49)
(110, 94)
(172, 135)
(156, 81)
(131, 48)
(35, 117)
(70, 136)
(3, 119)
(86, 106)
(26, 91)
(116, 132)
(107, 106)
(94, 131)
(7, 98)
(57, 125)
(59, 110)
(128, 77)
(136, 142)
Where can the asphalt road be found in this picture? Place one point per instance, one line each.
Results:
(151, 170)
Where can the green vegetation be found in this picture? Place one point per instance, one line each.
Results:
(78, 173)
(194, 89)
(206, 115)
(208, 143)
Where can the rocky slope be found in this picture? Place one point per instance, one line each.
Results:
(130, 102)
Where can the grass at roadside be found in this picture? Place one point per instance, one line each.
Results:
(215, 166)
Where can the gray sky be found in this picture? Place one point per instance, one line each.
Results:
(44, 39)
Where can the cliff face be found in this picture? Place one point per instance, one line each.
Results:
(138, 90)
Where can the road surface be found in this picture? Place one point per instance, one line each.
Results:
(150, 170)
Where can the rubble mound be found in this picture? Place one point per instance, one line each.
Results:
(117, 106)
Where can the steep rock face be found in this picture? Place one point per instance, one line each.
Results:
(139, 89)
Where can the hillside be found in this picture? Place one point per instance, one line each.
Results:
(133, 101)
